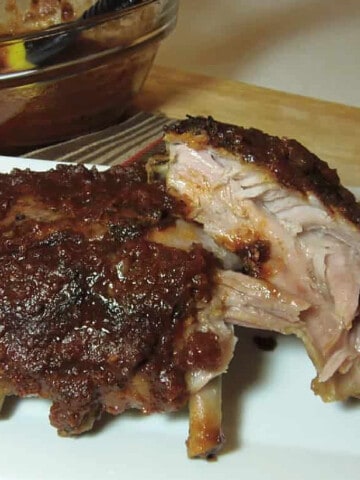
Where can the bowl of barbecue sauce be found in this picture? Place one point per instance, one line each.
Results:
(67, 69)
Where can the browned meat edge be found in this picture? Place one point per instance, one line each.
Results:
(290, 162)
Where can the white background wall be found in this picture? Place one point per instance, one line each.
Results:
(309, 47)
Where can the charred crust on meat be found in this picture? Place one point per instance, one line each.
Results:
(92, 311)
(290, 162)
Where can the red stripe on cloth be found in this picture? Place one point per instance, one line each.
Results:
(151, 148)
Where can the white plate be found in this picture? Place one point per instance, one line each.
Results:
(275, 426)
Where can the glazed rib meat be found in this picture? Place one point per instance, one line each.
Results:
(101, 307)
(284, 213)
(119, 289)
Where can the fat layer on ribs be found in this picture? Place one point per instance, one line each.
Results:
(108, 300)
(291, 223)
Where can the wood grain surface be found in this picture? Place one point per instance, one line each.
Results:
(330, 130)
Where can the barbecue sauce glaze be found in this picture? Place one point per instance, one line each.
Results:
(93, 315)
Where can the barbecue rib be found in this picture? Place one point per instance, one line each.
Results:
(118, 292)
(285, 214)
(96, 313)
(110, 300)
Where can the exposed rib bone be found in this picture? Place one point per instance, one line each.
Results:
(205, 433)
(2, 399)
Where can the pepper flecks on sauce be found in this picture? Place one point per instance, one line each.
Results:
(92, 314)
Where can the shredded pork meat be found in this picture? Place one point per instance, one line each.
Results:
(247, 188)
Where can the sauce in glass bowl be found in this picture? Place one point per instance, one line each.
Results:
(86, 87)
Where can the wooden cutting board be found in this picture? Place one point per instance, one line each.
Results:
(330, 130)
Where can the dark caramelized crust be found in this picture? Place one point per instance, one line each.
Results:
(33, 205)
(93, 315)
(292, 164)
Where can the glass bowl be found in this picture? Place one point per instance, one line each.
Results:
(86, 87)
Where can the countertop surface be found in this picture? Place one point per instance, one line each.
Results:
(308, 47)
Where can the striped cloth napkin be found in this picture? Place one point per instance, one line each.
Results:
(139, 135)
